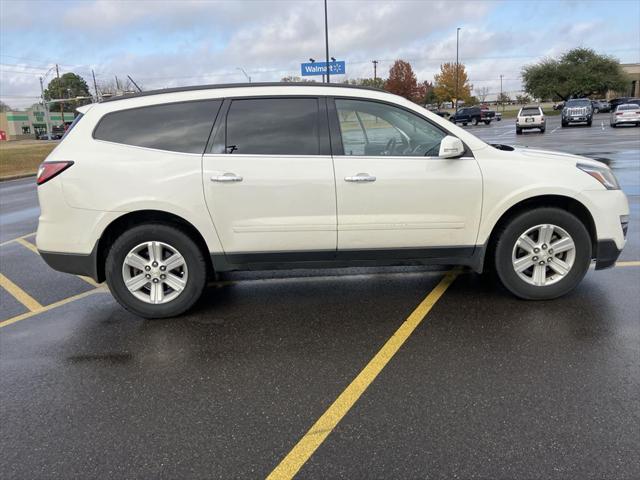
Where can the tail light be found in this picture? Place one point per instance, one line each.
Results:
(48, 170)
(620, 113)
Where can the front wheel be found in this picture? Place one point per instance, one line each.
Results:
(156, 271)
(464, 124)
(476, 121)
(518, 131)
(487, 122)
(543, 253)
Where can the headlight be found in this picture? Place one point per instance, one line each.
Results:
(603, 174)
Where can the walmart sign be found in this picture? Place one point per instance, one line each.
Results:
(320, 68)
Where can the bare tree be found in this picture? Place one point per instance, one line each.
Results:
(482, 93)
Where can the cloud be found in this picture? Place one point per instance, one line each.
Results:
(170, 43)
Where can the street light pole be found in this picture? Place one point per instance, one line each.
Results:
(245, 73)
(375, 70)
(501, 104)
(326, 39)
(46, 110)
(457, 63)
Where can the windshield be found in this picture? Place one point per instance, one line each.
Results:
(530, 111)
(578, 103)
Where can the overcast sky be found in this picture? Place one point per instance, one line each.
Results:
(173, 43)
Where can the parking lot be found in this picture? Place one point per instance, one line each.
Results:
(407, 372)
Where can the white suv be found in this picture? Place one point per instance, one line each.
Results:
(157, 192)
(530, 117)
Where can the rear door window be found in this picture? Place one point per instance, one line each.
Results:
(177, 127)
(273, 126)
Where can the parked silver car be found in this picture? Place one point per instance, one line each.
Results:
(627, 113)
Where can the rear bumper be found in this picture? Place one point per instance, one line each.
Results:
(607, 253)
(75, 263)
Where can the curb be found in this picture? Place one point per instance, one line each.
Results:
(17, 177)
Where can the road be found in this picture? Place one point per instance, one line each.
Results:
(486, 386)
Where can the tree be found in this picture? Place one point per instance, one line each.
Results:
(4, 107)
(294, 79)
(446, 83)
(366, 82)
(402, 81)
(578, 73)
(68, 85)
(429, 94)
(482, 93)
(504, 98)
(523, 99)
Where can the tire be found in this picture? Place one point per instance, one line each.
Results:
(518, 131)
(564, 124)
(556, 284)
(476, 121)
(589, 123)
(487, 122)
(595, 110)
(613, 125)
(194, 269)
(542, 130)
(464, 124)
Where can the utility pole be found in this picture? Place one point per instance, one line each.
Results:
(60, 94)
(501, 104)
(457, 63)
(95, 85)
(46, 110)
(117, 84)
(326, 40)
(375, 70)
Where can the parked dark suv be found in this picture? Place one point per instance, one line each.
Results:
(577, 110)
(473, 115)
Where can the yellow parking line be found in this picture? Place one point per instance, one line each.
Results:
(23, 297)
(29, 245)
(15, 239)
(628, 264)
(34, 249)
(51, 306)
(320, 430)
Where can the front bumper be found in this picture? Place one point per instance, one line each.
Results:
(577, 118)
(606, 254)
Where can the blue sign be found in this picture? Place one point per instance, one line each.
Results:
(320, 68)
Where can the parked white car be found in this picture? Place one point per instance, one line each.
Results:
(625, 114)
(157, 192)
(530, 117)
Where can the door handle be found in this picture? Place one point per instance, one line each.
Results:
(226, 178)
(360, 178)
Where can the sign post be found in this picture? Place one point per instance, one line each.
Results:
(320, 68)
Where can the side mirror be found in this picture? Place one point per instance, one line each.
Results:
(451, 147)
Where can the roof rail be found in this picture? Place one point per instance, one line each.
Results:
(236, 85)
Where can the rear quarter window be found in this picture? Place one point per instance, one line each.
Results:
(177, 127)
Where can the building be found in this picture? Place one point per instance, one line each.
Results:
(29, 123)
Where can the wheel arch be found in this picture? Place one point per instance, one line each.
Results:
(139, 217)
(563, 202)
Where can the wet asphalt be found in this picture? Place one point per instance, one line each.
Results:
(487, 386)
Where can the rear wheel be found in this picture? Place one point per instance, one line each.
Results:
(518, 131)
(543, 253)
(589, 123)
(542, 129)
(155, 271)
(476, 121)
